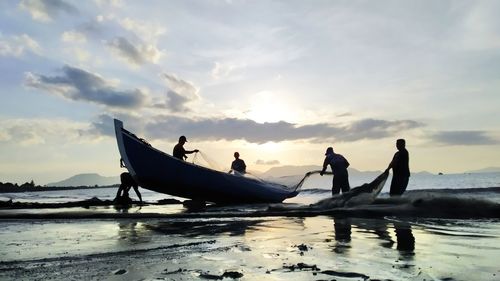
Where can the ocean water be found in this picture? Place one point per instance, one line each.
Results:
(417, 237)
(314, 189)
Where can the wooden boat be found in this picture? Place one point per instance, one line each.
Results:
(157, 171)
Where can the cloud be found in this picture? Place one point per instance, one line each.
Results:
(103, 125)
(147, 31)
(73, 37)
(464, 138)
(180, 94)
(223, 70)
(376, 128)
(132, 41)
(18, 45)
(112, 3)
(268, 162)
(134, 54)
(47, 10)
(80, 85)
(27, 132)
(176, 102)
(170, 127)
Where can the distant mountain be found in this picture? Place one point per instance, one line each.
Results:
(91, 179)
(422, 173)
(289, 170)
(283, 171)
(486, 170)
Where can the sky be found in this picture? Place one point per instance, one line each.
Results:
(277, 81)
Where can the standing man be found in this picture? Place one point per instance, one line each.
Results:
(238, 164)
(400, 169)
(179, 151)
(339, 169)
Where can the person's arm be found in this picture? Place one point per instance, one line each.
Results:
(346, 163)
(325, 165)
(393, 162)
(191, 151)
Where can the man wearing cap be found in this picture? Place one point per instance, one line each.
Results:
(339, 169)
(179, 151)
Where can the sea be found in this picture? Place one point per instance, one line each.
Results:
(314, 189)
(421, 236)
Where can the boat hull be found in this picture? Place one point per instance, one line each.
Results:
(157, 171)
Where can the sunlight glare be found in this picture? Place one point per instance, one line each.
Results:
(267, 106)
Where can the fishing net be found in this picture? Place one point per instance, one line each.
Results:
(288, 183)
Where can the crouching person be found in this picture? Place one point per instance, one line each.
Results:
(127, 182)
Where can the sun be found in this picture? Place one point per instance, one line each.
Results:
(268, 106)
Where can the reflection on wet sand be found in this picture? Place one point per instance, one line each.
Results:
(405, 241)
(132, 232)
(204, 228)
(342, 227)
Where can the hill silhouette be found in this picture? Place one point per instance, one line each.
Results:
(89, 179)
(290, 170)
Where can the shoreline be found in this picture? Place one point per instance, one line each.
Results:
(453, 208)
(4, 189)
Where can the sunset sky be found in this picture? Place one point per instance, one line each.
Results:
(278, 81)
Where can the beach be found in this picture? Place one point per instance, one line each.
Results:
(315, 248)
(382, 241)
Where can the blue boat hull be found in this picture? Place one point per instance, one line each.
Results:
(157, 171)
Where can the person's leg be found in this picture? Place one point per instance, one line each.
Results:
(124, 184)
(345, 183)
(136, 189)
(335, 186)
(404, 184)
(394, 189)
(125, 193)
(398, 185)
(120, 189)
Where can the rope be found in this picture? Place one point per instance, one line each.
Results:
(308, 174)
(194, 157)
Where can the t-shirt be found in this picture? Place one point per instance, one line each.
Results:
(239, 165)
(179, 151)
(400, 165)
(338, 163)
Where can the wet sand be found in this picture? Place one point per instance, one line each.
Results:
(191, 247)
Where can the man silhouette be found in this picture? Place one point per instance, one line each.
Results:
(238, 164)
(179, 151)
(339, 169)
(400, 169)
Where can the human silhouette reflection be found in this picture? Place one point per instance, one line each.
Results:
(123, 209)
(342, 228)
(132, 232)
(405, 239)
(383, 234)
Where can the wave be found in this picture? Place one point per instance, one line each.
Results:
(315, 191)
(421, 207)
